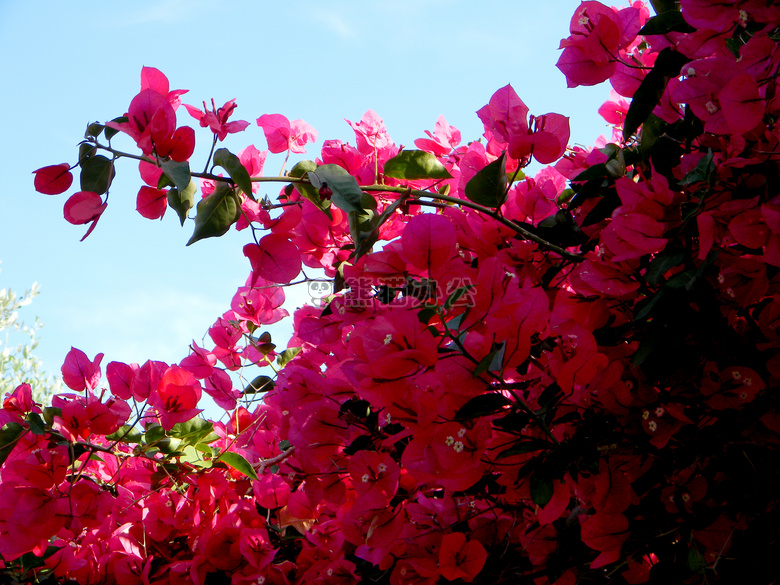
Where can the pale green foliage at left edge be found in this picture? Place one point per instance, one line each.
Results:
(18, 341)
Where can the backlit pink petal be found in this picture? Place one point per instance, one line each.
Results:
(370, 133)
(505, 115)
(53, 180)
(428, 241)
(79, 373)
(277, 131)
(301, 134)
(84, 207)
(151, 203)
(276, 259)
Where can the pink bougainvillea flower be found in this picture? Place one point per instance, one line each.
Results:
(370, 133)
(546, 141)
(598, 33)
(505, 119)
(150, 119)
(443, 139)
(79, 373)
(120, 378)
(605, 533)
(275, 259)
(151, 203)
(428, 241)
(220, 387)
(216, 118)
(261, 305)
(505, 115)
(283, 135)
(156, 80)
(84, 207)
(53, 180)
(177, 396)
(459, 559)
(253, 160)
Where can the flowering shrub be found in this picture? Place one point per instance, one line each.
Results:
(563, 378)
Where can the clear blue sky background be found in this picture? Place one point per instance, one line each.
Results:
(132, 290)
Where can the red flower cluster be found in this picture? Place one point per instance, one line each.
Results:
(564, 378)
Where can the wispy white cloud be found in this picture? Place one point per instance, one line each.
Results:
(332, 21)
(167, 11)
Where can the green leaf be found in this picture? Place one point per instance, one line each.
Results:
(696, 561)
(646, 98)
(193, 455)
(488, 186)
(178, 172)
(37, 426)
(284, 358)
(482, 405)
(701, 173)
(666, 22)
(456, 295)
(154, 433)
(97, 172)
(9, 434)
(194, 431)
(346, 193)
(492, 361)
(49, 412)
(260, 384)
(541, 490)
(216, 213)
(238, 463)
(661, 264)
(230, 162)
(306, 190)
(111, 132)
(126, 434)
(94, 130)
(523, 447)
(661, 6)
(182, 201)
(363, 223)
(364, 246)
(550, 396)
(169, 445)
(414, 165)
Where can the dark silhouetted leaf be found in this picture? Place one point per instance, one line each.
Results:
(488, 186)
(97, 172)
(666, 22)
(482, 405)
(346, 194)
(646, 98)
(216, 213)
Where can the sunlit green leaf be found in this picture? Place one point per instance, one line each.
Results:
(415, 165)
(126, 434)
(238, 463)
(283, 358)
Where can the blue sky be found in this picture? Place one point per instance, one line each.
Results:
(132, 290)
